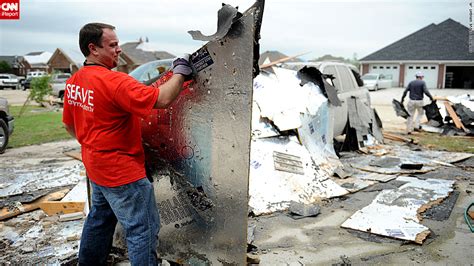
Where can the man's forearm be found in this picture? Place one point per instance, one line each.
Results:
(169, 91)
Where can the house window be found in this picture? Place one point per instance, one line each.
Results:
(387, 67)
(410, 67)
(381, 67)
(374, 67)
(433, 67)
(395, 67)
(418, 67)
(425, 67)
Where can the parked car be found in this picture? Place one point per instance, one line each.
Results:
(30, 76)
(374, 81)
(347, 83)
(149, 72)
(6, 124)
(9, 81)
(58, 84)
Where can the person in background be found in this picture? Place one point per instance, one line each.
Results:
(102, 110)
(417, 89)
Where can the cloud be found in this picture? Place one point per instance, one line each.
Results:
(322, 26)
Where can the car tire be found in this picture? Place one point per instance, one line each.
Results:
(376, 88)
(3, 136)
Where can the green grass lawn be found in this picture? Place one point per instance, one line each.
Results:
(436, 141)
(36, 125)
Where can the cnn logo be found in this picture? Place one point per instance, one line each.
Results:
(9, 9)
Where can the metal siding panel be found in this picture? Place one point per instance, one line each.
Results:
(210, 147)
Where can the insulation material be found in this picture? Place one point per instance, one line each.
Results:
(296, 180)
(315, 134)
(27, 181)
(261, 127)
(281, 99)
(395, 212)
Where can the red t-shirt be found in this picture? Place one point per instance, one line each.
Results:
(104, 107)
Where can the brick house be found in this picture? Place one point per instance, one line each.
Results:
(65, 61)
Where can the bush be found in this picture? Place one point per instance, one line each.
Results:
(40, 88)
(5, 67)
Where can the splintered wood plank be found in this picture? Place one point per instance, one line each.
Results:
(454, 116)
(74, 154)
(395, 137)
(60, 207)
(7, 212)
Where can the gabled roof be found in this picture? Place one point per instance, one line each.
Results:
(143, 52)
(272, 56)
(73, 56)
(448, 40)
(12, 60)
(38, 58)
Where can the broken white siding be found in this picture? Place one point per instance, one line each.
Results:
(394, 213)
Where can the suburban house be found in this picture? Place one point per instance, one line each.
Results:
(272, 56)
(65, 61)
(37, 61)
(137, 53)
(17, 64)
(439, 51)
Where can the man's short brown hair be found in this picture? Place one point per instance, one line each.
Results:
(92, 33)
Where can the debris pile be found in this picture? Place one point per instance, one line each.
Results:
(50, 235)
(451, 115)
(292, 150)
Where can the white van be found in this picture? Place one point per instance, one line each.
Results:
(346, 84)
(35, 74)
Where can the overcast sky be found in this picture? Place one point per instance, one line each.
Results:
(336, 27)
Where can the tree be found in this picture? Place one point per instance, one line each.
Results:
(40, 88)
(5, 67)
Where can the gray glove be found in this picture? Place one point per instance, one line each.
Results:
(183, 66)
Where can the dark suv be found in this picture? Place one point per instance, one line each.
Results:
(6, 124)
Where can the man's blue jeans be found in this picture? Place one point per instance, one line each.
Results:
(134, 206)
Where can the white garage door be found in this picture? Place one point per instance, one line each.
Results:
(388, 70)
(430, 72)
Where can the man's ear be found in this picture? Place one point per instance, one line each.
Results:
(93, 49)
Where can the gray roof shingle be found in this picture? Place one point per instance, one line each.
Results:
(140, 56)
(446, 41)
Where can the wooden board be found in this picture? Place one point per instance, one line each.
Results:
(454, 116)
(6, 212)
(395, 137)
(73, 154)
(61, 207)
